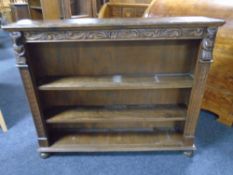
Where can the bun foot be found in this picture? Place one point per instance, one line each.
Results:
(44, 155)
(188, 153)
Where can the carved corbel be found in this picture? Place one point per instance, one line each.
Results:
(208, 45)
(18, 45)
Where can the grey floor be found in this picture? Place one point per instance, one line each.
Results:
(18, 147)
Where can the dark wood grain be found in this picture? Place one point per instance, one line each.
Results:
(34, 102)
(81, 58)
(159, 81)
(115, 97)
(118, 115)
(90, 23)
(106, 142)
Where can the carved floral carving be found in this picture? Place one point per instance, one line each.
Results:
(208, 44)
(121, 34)
(18, 45)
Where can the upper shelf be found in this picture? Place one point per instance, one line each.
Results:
(92, 23)
(117, 82)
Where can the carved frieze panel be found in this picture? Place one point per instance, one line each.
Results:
(121, 34)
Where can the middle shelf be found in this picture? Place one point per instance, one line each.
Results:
(116, 82)
(163, 113)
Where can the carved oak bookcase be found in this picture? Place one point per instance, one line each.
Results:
(102, 85)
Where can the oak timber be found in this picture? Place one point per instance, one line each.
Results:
(84, 76)
(136, 114)
(117, 82)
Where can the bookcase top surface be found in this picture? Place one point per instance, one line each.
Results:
(119, 23)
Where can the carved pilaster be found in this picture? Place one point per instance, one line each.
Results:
(18, 45)
(208, 45)
(35, 106)
(201, 74)
(195, 101)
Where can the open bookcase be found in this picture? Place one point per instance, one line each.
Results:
(115, 85)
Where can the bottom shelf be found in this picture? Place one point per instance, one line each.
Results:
(119, 141)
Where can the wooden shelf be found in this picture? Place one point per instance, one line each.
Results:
(36, 7)
(118, 141)
(79, 16)
(117, 82)
(133, 114)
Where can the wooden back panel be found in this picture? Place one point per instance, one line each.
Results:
(115, 97)
(110, 58)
